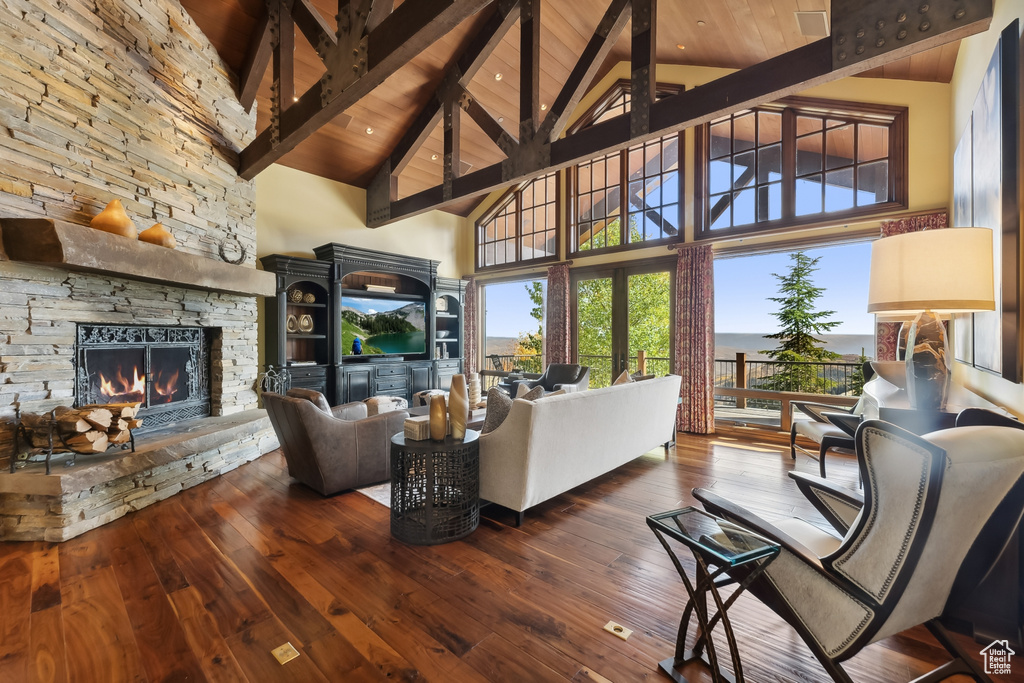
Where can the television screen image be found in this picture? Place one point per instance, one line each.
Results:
(383, 326)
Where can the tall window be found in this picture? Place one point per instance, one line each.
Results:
(630, 197)
(513, 325)
(800, 161)
(522, 226)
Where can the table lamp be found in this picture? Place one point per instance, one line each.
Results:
(931, 273)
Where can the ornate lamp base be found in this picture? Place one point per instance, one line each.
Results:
(927, 371)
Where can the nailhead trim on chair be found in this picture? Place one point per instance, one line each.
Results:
(833, 503)
(869, 525)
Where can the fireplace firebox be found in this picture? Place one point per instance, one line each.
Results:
(167, 369)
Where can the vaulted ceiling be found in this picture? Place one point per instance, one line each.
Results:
(732, 34)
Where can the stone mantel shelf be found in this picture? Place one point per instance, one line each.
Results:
(44, 241)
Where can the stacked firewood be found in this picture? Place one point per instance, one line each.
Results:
(89, 429)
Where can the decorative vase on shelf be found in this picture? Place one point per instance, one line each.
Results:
(305, 323)
(158, 235)
(438, 418)
(292, 324)
(458, 406)
(113, 219)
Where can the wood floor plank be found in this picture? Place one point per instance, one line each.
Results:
(45, 578)
(252, 649)
(48, 660)
(15, 612)
(205, 641)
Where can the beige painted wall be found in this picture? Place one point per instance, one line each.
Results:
(972, 60)
(930, 152)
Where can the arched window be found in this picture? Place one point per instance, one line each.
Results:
(631, 197)
(522, 227)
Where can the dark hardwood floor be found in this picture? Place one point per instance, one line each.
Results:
(204, 585)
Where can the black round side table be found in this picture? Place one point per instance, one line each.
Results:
(435, 488)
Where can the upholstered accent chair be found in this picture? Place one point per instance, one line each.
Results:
(332, 449)
(568, 376)
(903, 551)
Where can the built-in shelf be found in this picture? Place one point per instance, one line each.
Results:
(448, 339)
(307, 336)
(80, 248)
(446, 315)
(381, 295)
(307, 305)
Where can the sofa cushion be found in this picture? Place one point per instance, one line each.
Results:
(376, 405)
(314, 397)
(498, 405)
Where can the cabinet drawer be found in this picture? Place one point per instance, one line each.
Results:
(390, 369)
(311, 371)
(390, 385)
(448, 365)
(314, 383)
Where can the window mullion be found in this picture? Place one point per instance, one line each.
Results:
(788, 163)
(623, 196)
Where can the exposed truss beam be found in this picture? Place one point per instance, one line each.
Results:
(452, 88)
(379, 11)
(582, 75)
(529, 68)
(256, 60)
(843, 54)
(313, 27)
(406, 32)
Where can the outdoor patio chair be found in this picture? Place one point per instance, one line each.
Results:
(889, 572)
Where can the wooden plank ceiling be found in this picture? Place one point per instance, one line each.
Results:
(733, 34)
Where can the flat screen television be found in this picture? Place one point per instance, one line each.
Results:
(383, 326)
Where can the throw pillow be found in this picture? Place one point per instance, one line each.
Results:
(558, 392)
(624, 378)
(522, 389)
(532, 394)
(314, 397)
(498, 405)
(640, 378)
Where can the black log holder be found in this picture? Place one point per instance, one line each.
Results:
(21, 431)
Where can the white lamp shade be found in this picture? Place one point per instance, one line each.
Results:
(945, 271)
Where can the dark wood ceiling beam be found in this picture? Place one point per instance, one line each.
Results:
(643, 60)
(767, 81)
(379, 11)
(452, 152)
(494, 130)
(257, 58)
(582, 75)
(314, 27)
(406, 32)
(283, 89)
(529, 68)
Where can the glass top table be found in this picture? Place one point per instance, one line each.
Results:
(737, 555)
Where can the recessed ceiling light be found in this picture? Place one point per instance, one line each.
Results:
(701, 22)
(498, 76)
(500, 119)
(295, 98)
(433, 157)
(680, 46)
(369, 131)
(543, 107)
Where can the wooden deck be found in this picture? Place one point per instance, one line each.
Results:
(203, 585)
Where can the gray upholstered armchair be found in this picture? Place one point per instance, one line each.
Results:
(568, 376)
(903, 556)
(332, 449)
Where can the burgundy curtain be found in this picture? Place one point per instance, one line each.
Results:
(695, 332)
(472, 331)
(556, 318)
(887, 334)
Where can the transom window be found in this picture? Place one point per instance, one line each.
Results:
(641, 184)
(800, 161)
(522, 226)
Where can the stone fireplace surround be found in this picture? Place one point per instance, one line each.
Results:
(41, 307)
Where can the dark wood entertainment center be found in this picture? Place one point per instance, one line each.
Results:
(313, 352)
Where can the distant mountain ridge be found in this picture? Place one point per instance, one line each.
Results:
(727, 344)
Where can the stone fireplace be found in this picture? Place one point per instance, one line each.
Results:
(166, 369)
(97, 115)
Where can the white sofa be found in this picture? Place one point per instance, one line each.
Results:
(548, 446)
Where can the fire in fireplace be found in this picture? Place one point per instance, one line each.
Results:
(164, 368)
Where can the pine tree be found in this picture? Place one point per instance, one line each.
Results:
(799, 322)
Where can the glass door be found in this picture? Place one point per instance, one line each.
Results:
(624, 319)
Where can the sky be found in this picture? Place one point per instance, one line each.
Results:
(742, 288)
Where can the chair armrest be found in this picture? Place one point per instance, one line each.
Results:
(814, 410)
(350, 411)
(838, 505)
(845, 421)
(717, 505)
(969, 417)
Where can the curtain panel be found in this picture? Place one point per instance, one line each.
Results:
(887, 334)
(472, 331)
(695, 334)
(557, 316)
